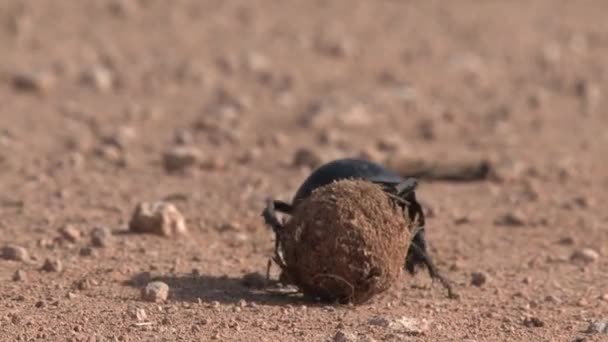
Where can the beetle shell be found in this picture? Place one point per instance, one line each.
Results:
(345, 169)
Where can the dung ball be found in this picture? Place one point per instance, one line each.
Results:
(346, 242)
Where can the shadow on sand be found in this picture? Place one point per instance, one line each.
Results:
(223, 289)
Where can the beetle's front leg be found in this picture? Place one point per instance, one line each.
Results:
(271, 219)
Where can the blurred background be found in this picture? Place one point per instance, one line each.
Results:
(217, 105)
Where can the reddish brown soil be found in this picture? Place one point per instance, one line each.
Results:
(522, 83)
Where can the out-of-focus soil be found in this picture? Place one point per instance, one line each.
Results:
(93, 93)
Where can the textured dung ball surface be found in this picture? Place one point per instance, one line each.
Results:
(346, 242)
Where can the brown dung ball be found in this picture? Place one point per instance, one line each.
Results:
(346, 242)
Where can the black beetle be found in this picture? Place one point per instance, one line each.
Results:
(399, 188)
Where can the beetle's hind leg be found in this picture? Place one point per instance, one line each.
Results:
(417, 254)
(433, 271)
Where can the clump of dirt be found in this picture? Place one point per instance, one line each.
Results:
(346, 242)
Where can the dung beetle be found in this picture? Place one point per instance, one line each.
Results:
(398, 188)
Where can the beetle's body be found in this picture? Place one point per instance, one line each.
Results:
(345, 169)
(399, 188)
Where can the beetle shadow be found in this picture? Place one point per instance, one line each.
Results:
(222, 289)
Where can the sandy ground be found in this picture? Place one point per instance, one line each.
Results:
(93, 93)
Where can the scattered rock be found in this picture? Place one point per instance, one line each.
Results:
(138, 314)
(389, 143)
(533, 322)
(183, 137)
(334, 46)
(479, 279)
(566, 241)
(214, 163)
(249, 155)
(99, 77)
(405, 325)
(586, 255)
(410, 326)
(112, 154)
(156, 291)
(366, 339)
(16, 253)
(70, 233)
(101, 237)
(19, 275)
(256, 62)
(181, 158)
(604, 297)
(85, 283)
(512, 219)
(343, 336)
(589, 92)
(355, 116)
(15, 318)
(305, 157)
(160, 218)
(426, 129)
(330, 136)
(378, 321)
(123, 8)
(33, 82)
(254, 280)
(52, 265)
(121, 137)
(598, 327)
(86, 251)
(552, 299)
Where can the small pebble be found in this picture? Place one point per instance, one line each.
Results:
(587, 255)
(120, 137)
(161, 218)
(343, 336)
(356, 116)
(305, 157)
(156, 292)
(52, 265)
(479, 279)
(533, 322)
(16, 253)
(33, 82)
(514, 219)
(410, 326)
(378, 321)
(101, 237)
(389, 143)
(100, 78)
(566, 241)
(112, 154)
(366, 339)
(553, 299)
(214, 163)
(334, 46)
(181, 158)
(86, 251)
(598, 327)
(19, 275)
(70, 233)
(138, 314)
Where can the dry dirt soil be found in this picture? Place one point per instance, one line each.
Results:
(94, 93)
